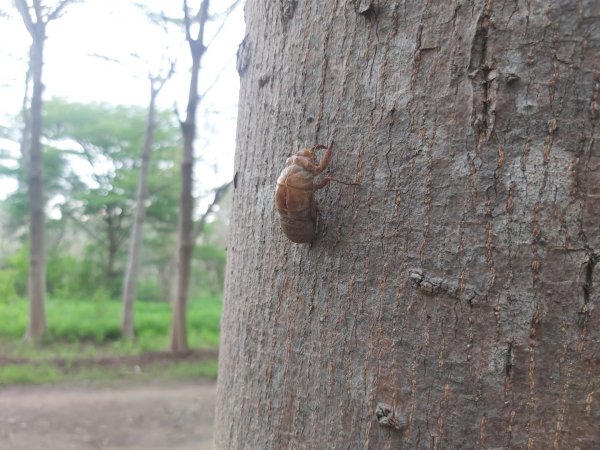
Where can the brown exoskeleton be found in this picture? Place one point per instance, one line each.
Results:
(294, 195)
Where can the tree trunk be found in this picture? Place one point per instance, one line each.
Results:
(26, 118)
(168, 268)
(36, 26)
(37, 264)
(135, 246)
(166, 277)
(185, 242)
(449, 300)
(112, 230)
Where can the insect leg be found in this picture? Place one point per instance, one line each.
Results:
(326, 158)
(325, 181)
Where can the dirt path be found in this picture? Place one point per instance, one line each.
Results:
(122, 416)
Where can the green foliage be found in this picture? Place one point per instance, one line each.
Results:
(58, 179)
(62, 274)
(210, 256)
(13, 274)
(148, 290)
(7, 285)
(91, 168)
(66, 275)
(211, 252)
(90, 328)
(13, 317)
(98, 322)
(81, 321)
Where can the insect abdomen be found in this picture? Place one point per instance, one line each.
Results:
(299, 227)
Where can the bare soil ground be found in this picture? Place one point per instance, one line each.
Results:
(124, 416)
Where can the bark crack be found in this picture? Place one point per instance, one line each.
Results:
(594, 99)
(484, 78)
(416, 57)
(434, 285)
(588, 281)
(589, 273)
(509, 365)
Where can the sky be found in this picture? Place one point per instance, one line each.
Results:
(116, 29)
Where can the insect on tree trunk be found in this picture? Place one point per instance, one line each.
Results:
(450, 301)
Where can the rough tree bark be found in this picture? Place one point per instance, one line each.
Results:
(135, 245)
(35, 19)
(185, 242)
(454, 293)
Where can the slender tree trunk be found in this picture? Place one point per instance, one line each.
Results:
(166, 277)
(113, 247)
(169, 267)
(135, 246)
(185, 242)
(450, 301)
(26, 118)
(36, 26)
(37, 264)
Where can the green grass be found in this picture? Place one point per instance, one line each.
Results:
(90, 328)
(47, 373)
(96, 323)
(189, 370)
(28, 373)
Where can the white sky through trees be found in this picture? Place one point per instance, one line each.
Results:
(114, 30)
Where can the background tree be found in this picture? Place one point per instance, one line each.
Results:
(135, 245)
(186, 235)
(453, 292)
(92, 168)
(185, 242)
(103, 144)
(36, 18)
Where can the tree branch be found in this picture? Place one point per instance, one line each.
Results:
(226, 15)
(158, 81)
(23, 9)
(56, 12)
(104, 57)
(176, 114)
(37, 7)
(212, 84)
(186, 21)
(83, 226)
(219, 193)
(89, 158)
(197, 45)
